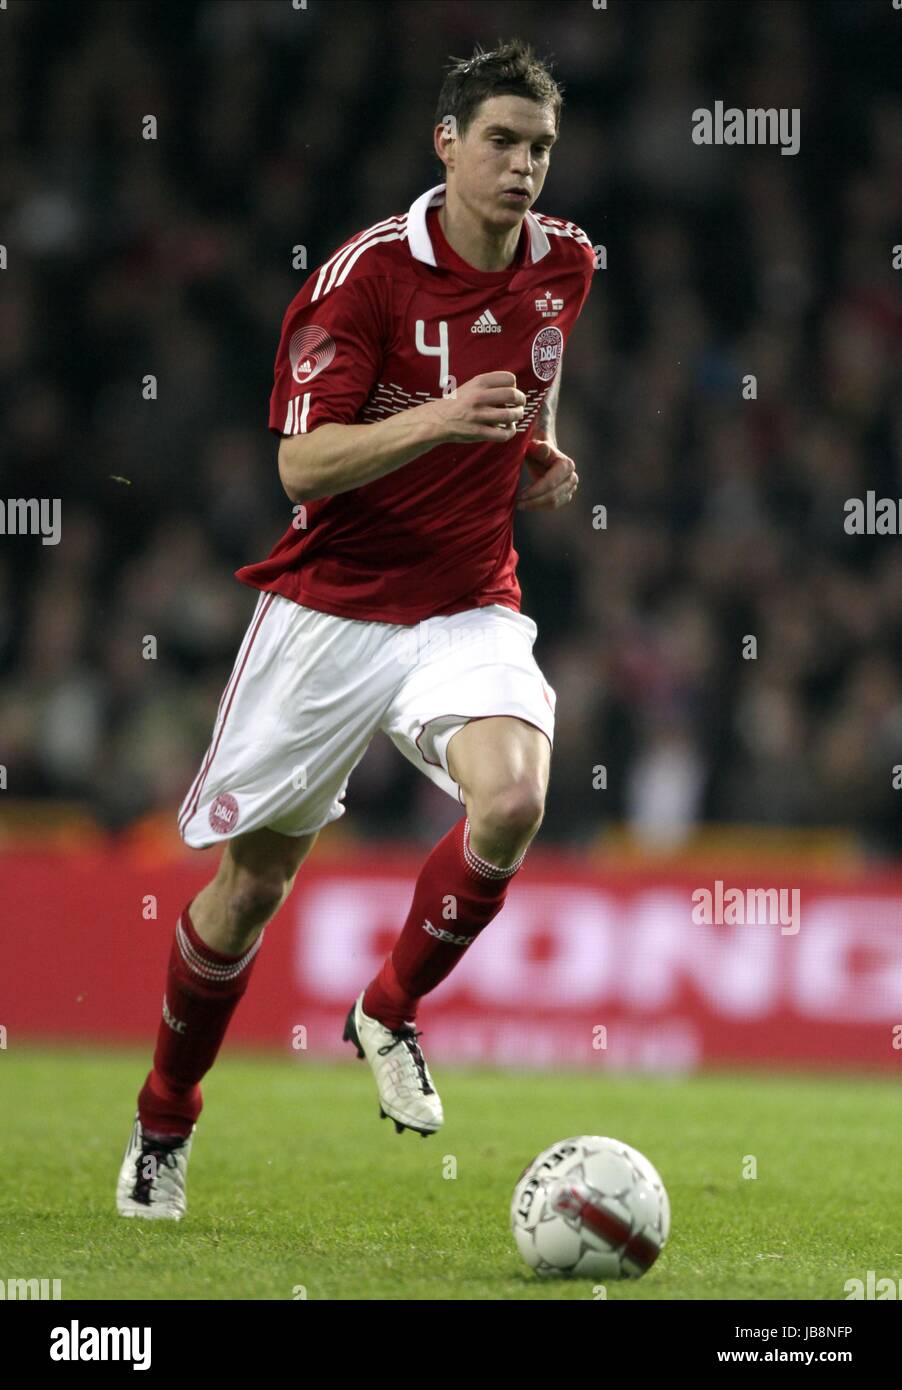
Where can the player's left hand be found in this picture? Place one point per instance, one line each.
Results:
(556, 479)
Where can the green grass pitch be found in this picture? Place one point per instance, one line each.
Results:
(294, 1181)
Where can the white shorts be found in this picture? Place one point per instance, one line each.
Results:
(309, 690)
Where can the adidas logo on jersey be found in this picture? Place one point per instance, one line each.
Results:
(486, 323)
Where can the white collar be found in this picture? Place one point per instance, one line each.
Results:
(420, 242)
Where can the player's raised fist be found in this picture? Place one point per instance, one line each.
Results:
(486, 408)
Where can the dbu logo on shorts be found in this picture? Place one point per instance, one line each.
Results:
(224, 814)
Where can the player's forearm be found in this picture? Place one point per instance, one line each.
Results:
(336, 458)
(546, 423)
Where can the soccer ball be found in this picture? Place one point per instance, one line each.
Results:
(591, 1207)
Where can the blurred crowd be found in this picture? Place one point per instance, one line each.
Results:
(722, 648)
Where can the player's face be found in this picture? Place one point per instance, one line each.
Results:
(499, 165)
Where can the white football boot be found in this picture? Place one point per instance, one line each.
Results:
(153, 1176)
(406, 1092)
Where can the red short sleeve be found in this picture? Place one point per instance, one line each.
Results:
(330, 355)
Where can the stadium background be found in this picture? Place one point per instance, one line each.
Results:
(725, 516)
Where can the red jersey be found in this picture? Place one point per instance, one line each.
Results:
(377, 329)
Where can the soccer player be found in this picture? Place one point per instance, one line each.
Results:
(418, 369)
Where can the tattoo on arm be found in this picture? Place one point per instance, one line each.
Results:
(545, 427)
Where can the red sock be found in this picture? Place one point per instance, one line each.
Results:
(203, 988)
(425, 954)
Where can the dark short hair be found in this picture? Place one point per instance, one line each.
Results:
(511, 69)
